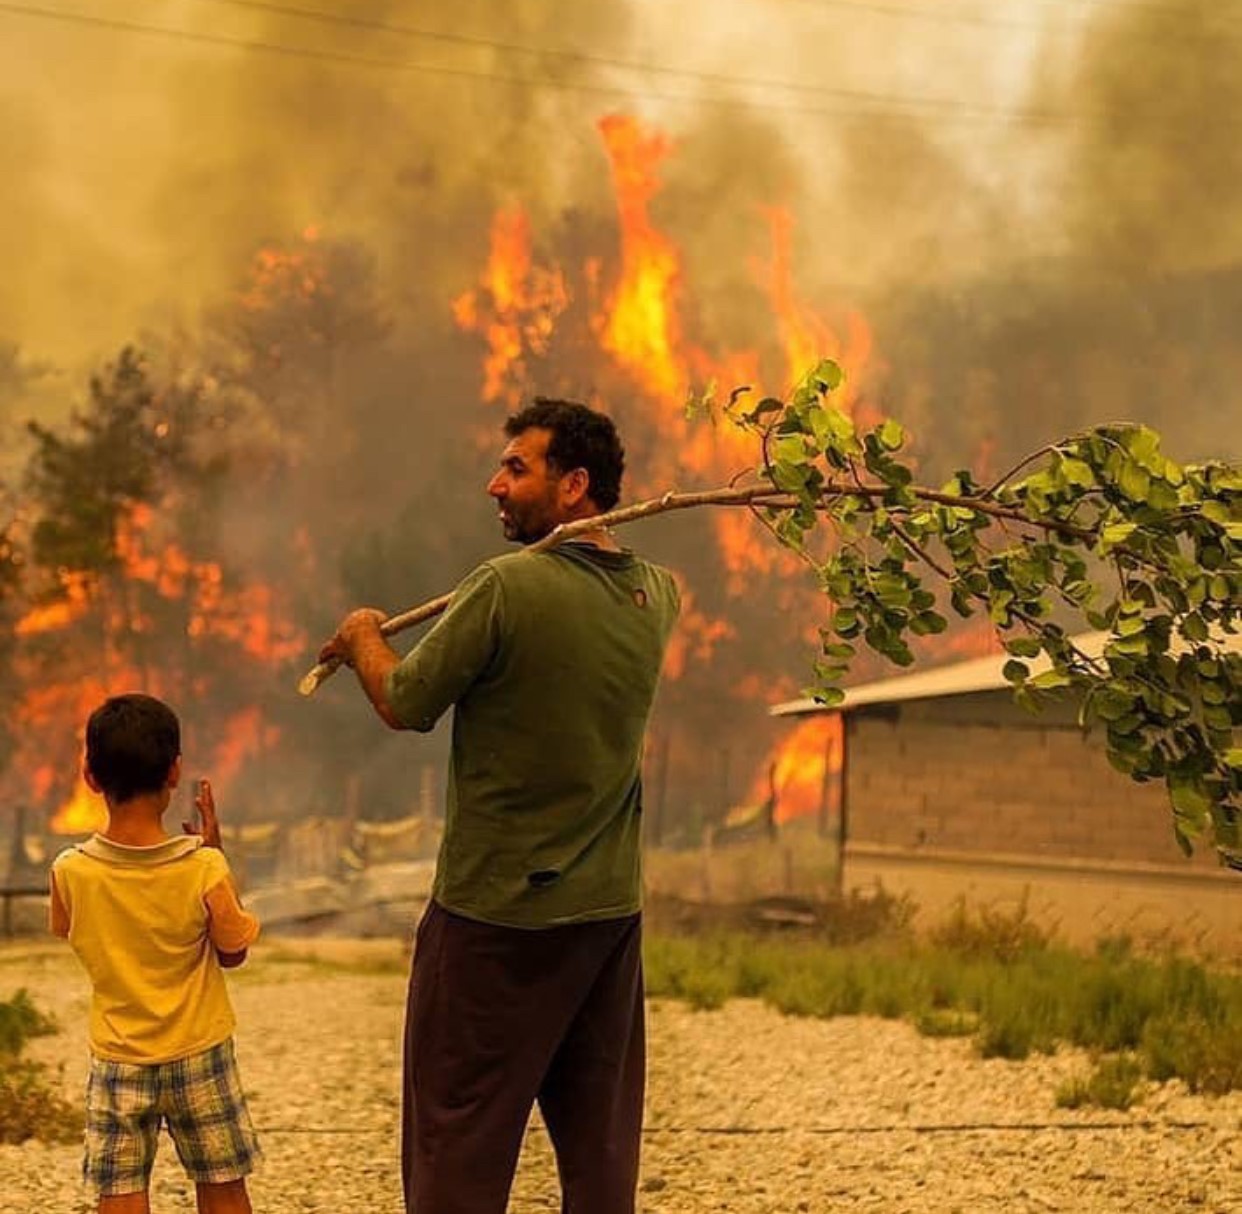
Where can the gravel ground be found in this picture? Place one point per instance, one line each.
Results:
(748, 1111)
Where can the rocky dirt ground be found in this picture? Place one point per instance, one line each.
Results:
(748, 1111)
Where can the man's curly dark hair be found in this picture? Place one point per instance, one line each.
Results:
(581, 438)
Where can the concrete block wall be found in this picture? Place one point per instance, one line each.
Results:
(978, 773)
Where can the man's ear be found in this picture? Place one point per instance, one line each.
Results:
(575, 487)
(174, 773)
(91, 782)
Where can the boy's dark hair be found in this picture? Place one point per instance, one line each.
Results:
(581, 438)
(132, 741)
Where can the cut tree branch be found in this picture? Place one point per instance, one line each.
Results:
(751, 496)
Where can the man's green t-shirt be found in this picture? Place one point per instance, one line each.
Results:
(551, 660)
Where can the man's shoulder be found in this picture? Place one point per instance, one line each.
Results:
(663, 580)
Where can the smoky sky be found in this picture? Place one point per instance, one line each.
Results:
(1042, 224)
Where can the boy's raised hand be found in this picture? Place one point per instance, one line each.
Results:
(208, 824)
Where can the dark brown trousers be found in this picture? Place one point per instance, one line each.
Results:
(500, 1017)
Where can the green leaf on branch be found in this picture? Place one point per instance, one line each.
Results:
(891, 435)
(1103, 532)
(830, 697)
(769, 404)
(1050, 680)
(1114, 535)
(828, 375)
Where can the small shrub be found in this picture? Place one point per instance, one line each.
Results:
(1112, 1085)
(19, 1020)
(1205, 1054)
(946, 1022)
(1011, 1037)
(989, 933)
(825, 991)
(866, 914)
(30, 1107)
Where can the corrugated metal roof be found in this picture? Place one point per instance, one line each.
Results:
(959, 678)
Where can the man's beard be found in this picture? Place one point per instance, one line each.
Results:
(527, 528)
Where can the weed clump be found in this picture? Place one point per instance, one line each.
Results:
(19, 1020)
(1114, 1084)
(991, 934)
(30, 1107)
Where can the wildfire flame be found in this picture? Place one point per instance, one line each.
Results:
(805, 335)
(515, 306)
(75, 601)
(637, 320)
(242, 614)
(642, 329)
(81, 814)
(802, 771)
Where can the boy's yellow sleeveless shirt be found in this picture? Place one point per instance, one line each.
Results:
(146, 923)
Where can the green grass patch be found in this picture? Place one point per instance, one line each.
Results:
(1113, 1084)
(30, 1107)
(20, 1020)
(995, 977)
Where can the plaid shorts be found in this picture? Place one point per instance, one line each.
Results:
(199, 1098)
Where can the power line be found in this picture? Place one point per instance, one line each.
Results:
(374, 25)
(944, 108)
(632, 65)
(580, 57)
(909, 106)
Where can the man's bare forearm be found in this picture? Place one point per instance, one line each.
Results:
(373, 661)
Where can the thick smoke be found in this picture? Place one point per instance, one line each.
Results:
(1030, 260)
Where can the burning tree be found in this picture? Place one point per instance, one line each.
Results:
(124, 583)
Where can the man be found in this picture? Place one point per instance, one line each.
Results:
(527, 977)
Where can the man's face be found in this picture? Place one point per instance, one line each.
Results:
(526, 489)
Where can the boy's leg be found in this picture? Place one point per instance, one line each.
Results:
(205, 1109)
(227, 1198)
(122, 1123)
(126, 1203)
(592, 1095)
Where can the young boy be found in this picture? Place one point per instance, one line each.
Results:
(154, 917)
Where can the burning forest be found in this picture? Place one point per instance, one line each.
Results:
(123, 541)
(316, 432)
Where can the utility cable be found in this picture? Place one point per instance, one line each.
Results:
(908, 107)
(878, 105)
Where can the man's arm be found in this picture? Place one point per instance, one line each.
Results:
(360, 644)
(415, 691)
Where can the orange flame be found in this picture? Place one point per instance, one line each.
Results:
(806, 336)
(277, 274)
(76, 588)
(641, 330)
(82, 813)
(246, 616)
(802, 767)
(640, 325)
(242, 613)
(695, 637)
(515, 306)
(246, 734)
